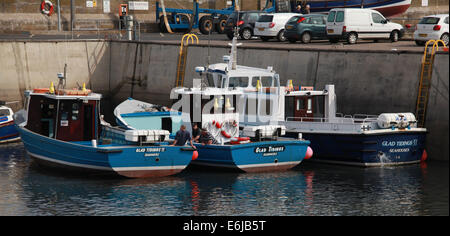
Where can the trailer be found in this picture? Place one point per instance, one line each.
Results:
(179, 18)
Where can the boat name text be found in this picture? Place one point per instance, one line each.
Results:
(399, 143)
(269, 149)
(158, 149)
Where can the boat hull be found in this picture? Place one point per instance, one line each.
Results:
(253, 157)
(124, 160)
(8, 132)
(395, 148)
(388, 8)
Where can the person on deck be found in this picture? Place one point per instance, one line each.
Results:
(182, 137)
(206, 138)
(196, 132)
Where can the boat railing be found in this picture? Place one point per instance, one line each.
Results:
(348, 119)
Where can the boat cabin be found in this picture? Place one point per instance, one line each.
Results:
(5, 114)
(64, 117)
(268, 101)
(212, 108)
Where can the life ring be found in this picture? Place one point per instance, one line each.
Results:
(45, 11)
(223, 132)
(239, 140)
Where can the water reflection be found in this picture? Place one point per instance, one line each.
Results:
(310, 189)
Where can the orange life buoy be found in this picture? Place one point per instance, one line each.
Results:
(240, 140)
(48, 12)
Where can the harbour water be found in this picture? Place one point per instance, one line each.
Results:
(308, 190)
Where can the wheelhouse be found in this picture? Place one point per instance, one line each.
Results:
(63, 117)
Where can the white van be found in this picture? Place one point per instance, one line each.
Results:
(272, 25)
(353, 23)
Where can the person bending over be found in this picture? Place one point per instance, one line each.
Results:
(206, 138)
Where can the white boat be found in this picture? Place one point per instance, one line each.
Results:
(364, 140)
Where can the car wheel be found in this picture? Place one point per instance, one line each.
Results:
(306, 37)
(281, 36)
(246, 34)
(352, 37)
(444, 38)
(420, 43)
(394, 36)
(292, 40)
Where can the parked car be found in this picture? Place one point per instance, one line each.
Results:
(306, 27)
(272, 25)
(432, 27)
(246, 23)
(352, 24)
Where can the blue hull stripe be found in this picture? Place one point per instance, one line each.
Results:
(259, 155)
(124, 158)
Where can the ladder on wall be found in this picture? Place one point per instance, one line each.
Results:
(182, 56)
(425, 81)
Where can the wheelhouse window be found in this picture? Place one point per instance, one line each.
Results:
(238, 82)
(266, 81)
(210, 80)
(4, 112)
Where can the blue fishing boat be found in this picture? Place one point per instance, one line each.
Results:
(63, 128)
(8, 131)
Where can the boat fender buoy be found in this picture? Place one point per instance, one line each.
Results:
(309, 153)
(424, 156)
(240, 140)
(225, 134)
(45, 11)
(194, 155)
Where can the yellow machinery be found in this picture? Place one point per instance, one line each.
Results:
(181, 66)
(425, 80)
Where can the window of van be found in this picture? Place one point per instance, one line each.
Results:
(340, 16)
(331, 16)
(446, 20)
(377, 18)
